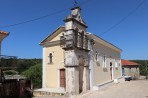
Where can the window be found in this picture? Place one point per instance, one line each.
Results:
(50, 57)
(104, 60)
(97, 56)
(116, 63)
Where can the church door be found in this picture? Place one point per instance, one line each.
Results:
(62, 78)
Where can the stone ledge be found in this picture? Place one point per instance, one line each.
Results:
(49, 92)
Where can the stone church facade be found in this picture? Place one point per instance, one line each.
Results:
(75, 61)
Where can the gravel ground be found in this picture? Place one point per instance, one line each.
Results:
(127, 89)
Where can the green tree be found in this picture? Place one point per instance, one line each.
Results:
(25, 64)
(34, 73)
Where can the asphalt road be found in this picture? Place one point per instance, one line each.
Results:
(132, 89)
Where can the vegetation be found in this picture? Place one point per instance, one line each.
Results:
(8, 62)
(10, 72)
(31, 68)
(34, 73)
(24, 64)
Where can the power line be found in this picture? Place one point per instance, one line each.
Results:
(24, 22)
(124, 18)
(42, 17)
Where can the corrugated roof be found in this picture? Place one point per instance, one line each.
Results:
(128, 63)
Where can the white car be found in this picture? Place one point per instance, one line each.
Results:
(127, 78)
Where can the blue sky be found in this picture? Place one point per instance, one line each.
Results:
(100, 15)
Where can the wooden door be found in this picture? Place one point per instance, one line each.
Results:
(62, 78)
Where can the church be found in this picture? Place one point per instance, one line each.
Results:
(75, 60)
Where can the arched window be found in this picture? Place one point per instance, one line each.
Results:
(50, 57)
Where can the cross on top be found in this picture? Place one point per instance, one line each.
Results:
(75, 2)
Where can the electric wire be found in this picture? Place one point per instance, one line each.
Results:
(42, 17)
(124, 18)
(60, 11)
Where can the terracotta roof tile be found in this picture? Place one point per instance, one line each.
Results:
(128, 63)
(4, 33)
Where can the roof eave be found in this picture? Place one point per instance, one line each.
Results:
(107, 42)
(42, 42)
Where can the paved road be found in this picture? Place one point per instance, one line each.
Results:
(132, 89)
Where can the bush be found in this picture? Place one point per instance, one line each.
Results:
(34, 73)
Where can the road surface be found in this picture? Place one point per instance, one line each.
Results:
(127, 89)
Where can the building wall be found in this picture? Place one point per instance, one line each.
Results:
(52, 69)
(57, 37)
(133, 71)
(102, 74)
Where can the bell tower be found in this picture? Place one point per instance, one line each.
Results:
(75, 44)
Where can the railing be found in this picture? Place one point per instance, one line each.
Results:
(76, 40)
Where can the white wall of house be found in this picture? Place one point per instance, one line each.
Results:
(101, 57)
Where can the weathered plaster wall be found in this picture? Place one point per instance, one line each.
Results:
(52, 68)
(134, 72)
(100, 73)
(86, 79)
(77, 71)
(72, 80)
(57, 37)
(118, 71)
